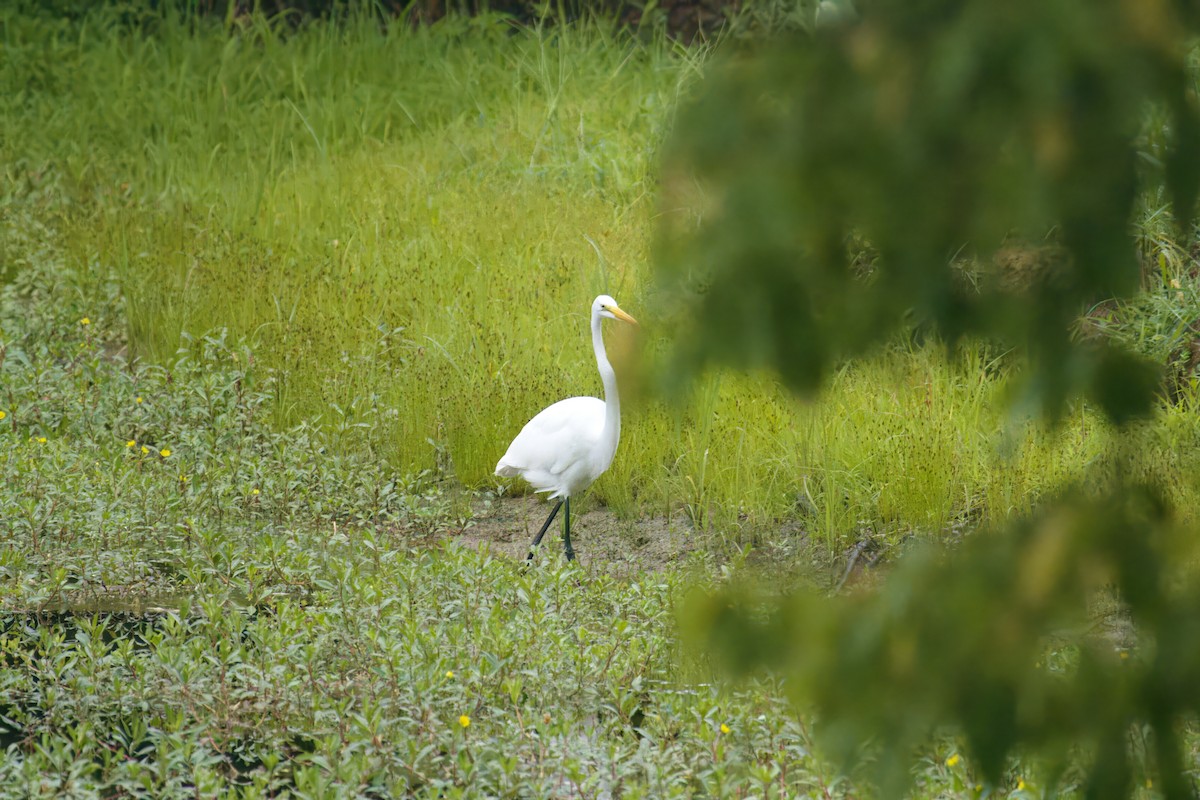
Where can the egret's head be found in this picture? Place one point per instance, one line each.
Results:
(605, 306)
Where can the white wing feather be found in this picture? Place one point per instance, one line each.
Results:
(552, 451)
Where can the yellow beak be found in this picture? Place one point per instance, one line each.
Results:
(621, 315)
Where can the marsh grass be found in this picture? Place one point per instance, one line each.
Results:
(321, 271)
(195, 602)
(420, 216)
(407, 225)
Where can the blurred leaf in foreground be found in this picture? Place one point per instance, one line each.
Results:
(989, 641)
(968, 167)
(848, 178)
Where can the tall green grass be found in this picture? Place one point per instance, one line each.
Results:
(420, 216)
(413, 221)
(195, 603)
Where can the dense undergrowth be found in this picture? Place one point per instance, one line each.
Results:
(407, 226)
(193, 602)
(269, 299)
(196, 603)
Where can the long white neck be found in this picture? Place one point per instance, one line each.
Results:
(612, 398)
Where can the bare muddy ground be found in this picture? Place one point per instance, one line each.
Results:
(601, 540)
(628, 548)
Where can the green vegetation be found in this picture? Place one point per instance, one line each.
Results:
(400, 218)
(1021, 139)
(411, 222)
(327, 273)
(197, 603)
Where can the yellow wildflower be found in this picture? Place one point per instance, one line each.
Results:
(41, 440)
(1020, 784)
(464, 720)
(449, 672)
(953, 760)
(3, 415)
(85, 321)
(165, 453)
(137, 399)
(255, 492)
(130, 443)
(724, 728)
(145, 450)
(1124, 654)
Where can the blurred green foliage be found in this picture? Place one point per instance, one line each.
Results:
(989, 640)
(972, 169)
(938, 132)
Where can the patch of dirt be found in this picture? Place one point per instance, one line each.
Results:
(601, 540)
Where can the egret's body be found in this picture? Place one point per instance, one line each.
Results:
(571, 443)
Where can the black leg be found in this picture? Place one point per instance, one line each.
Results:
(567, 532)
(538, 539)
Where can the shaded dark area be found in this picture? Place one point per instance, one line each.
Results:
(33, 635)
(686, 19)
(21, 712)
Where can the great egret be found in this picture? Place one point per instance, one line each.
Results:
(570, 444)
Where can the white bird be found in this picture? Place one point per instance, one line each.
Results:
(571, 443)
